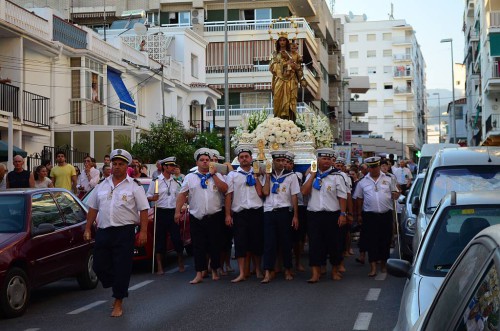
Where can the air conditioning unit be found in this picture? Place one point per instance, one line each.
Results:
(197, 16)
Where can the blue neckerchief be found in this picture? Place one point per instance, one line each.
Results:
(319, 178)
(276, 183)
(204, 179)
(250, 178)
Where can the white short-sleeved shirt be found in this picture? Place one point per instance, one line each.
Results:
(202, 202)
(402, 174)
(118, 205)
(300, 198)
(333, 187)
(244, 196)
(283, 198)
(168, 190)
(376, 195)
(94, 179)
(347, 180)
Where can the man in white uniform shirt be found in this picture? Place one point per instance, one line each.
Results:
(121, 203)
(403, 175)
(374, 194)
(166, 197)
(327, 192)
(281, 214)
(204, 188)
(244, 202)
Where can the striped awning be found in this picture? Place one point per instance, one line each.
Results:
(239, 54)
(236, 85)
(263, 49)
(263, 86)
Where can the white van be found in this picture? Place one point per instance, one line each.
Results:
(461, 169)
(428, 151)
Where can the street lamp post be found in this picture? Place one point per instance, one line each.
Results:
(439, 113)
(453, 118)
(345, 83)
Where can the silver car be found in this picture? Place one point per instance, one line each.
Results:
(457, 219)
(469, 297)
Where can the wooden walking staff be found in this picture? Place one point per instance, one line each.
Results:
(154, 230)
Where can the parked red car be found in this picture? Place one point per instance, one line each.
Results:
(41, 241)
(146, 252)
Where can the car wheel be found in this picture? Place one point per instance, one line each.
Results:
(88, 279)
(15, 293)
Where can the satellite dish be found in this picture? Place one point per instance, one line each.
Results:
(351, 15)
(140, 29)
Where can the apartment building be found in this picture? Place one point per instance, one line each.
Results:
(481, 57)
(388, 52)
(318, 34)
(72, 88)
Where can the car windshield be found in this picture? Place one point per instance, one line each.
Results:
(423, 163)
(12, 210)
(454, 229)
(463, 179)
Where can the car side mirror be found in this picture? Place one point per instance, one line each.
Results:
(402, 200)
(415, 205)
(43, 228)
(399, 268)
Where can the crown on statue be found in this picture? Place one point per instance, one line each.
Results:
(283, 34)
(283, 22)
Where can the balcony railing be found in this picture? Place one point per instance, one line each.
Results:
(9, 99)
(358, 126)
(26, 20)
(403, 90)
(495, 19)
(69, 34)
(36, 109)
(402, 57)
(199, 126)
(238, 110)
(248, 25)
(493, 123)
(402, 73)
(238, 68)
(495, 73)
(84, 111)
(402, 40)
(358, 107)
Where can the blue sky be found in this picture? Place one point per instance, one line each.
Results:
(432, 20)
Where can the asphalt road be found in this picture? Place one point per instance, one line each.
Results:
(169, 302)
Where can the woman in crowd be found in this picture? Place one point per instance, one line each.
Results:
(41, 179)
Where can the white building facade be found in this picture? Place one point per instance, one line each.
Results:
(388, 52)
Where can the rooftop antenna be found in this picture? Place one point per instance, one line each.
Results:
(391, 14)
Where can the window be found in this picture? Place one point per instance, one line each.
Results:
(387, 36)
(371, 37)
(373, 86)
(387, 86)
(255, 99)
(194, 66)
(372, 103)
(45, 210)
(388, 103)
(353, 71)
(372, 70)
(353, 55)
(263, 14)
(459, 284)
(387, 52)
(387, 70)
(371, 53)
(12, 208)
(72, 211)
(459, 113)
(353, 38)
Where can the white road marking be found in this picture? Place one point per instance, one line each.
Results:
(373, 294)
(381, 276)
(141, 284)
(87, 307)
(363, 321)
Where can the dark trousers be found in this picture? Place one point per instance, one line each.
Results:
(165, 223)
(248, 228)
(299, 235)
(206, 234)
(113, 254)
(226, 234)
(378, 235)
(324, 238)
(277, 233)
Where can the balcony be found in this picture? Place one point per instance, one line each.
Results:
(333, 65)
(9, 99)
(402, 40)
(405, 125)
(493, 123)
(358, 108)
(358, 126)
(401, 57)
(83, 111)
(470, 8)
(495, 20)
(69, 34)
(36, 109)
(403, 91)
(493, 82)
(401, 72)
(26, 20)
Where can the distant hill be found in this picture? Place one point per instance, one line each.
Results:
(445, 96)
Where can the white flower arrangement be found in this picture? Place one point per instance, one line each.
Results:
(308, 128)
